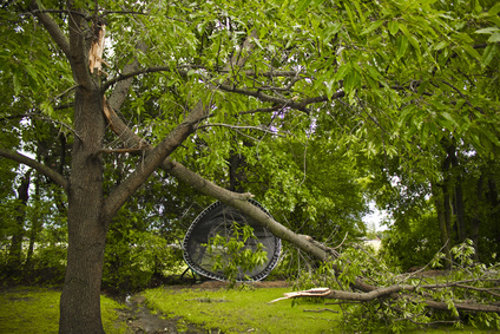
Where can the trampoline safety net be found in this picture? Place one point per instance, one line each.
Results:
(219, 219)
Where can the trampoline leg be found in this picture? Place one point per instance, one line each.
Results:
(185, 271)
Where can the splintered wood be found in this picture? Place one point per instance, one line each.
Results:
(96, 51)
(316, 292)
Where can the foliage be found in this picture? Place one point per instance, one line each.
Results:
(134, 259)
(468, 280)
(236, 253)
(414, 245)
(143, 243)
(36, 310)
(314, 193)
(415, 208)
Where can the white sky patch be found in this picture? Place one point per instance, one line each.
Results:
(376, 217)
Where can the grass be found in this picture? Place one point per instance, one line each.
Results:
(237, 311)
(36, 310)
(245, 311)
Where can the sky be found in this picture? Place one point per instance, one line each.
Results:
(375, 217)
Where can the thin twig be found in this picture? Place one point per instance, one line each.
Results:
(321, 310)
(123, 150)
(45, 118)
(240, 127)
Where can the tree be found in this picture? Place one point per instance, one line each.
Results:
(194, 72)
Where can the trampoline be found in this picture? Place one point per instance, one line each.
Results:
(219, 219)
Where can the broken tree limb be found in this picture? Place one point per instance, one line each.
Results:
(96, 50)
(236, 200)
(316, 292)
(393, 292)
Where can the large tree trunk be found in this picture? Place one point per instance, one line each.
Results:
(80, 299)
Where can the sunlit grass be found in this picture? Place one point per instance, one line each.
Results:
(237, 311)
(36, 310)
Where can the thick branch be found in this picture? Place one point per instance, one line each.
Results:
(390, 292)
(78, 51)
(52, 174)
(152, 161)
(120, 91)
(52, 28)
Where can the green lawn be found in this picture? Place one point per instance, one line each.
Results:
(36, 310)
(237, 311)
(248, 311)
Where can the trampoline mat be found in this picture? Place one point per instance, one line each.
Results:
(218, 219)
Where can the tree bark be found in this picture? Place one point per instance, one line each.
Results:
(80, 300)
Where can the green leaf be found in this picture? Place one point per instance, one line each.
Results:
(488, 54)
(352, 81)
(402, 44)
(441, 45)
(488, 30)
(46, 108)
(375, 25)
(343, 71)
(495, 9)
(351, 18)
(393, 27)
(450, 119)
(471, 51)
(494, 38)
(17, 85)
(330, 84)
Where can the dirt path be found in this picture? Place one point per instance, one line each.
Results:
(141, 320)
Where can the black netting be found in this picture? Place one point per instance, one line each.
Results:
(219, 218)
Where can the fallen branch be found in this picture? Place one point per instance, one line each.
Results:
(393, 292)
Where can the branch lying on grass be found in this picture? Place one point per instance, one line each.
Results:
(392, 292)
